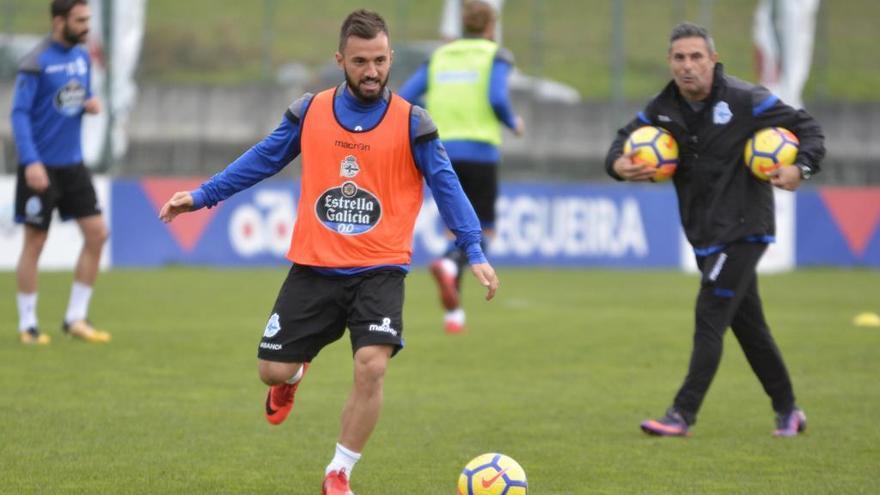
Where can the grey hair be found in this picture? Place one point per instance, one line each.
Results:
(691, 30)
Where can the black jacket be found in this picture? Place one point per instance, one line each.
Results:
(718, 198)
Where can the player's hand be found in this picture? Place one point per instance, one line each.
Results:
(519, 127)
(180, 202)
(486, 276)
(92, 105)
(36, 177)
(786, 177)
(627, 169)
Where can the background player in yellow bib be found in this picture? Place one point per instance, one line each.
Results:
(464, 86)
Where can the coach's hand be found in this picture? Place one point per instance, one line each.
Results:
(627, 169)
(36, 177)
(787, 177)
(486, 275)
(180, 202)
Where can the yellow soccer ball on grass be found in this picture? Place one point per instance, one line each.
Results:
(655, 147)
(770, 149)
(492, 474)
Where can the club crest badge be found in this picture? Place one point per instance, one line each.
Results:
(272, 327)
(349, 167)
(69, 100)
(721, 114)
(32, 207)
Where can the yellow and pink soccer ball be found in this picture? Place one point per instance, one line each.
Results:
(655, 147)
(492, 474)
(769, 149)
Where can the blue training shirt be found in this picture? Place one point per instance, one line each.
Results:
(51, 88)
(465, 150)
(279, 148)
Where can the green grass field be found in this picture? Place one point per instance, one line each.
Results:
(557, 372)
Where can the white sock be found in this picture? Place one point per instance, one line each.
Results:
(78, 308)
(27, 311)
(449, 267)
(297, 377)
(454, 316)
(344, 460)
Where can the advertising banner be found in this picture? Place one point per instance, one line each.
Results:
(538, 224)
(838, 226)
(65, 241)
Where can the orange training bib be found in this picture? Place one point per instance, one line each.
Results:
(361, 191)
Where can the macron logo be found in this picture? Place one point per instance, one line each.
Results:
(385, 327)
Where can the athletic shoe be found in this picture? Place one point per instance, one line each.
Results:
(33, 336)
(449, 296)
(336, 483)
(279, 399)
(453, 327)
(453, 321)
(670, 425)
(789, 425)
(83, 329)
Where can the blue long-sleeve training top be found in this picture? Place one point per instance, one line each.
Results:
(279, 148)
(50, 91)
(416, 86)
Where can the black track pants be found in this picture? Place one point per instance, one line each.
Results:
(729, 297)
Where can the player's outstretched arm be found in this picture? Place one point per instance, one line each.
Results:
(486, 276)
(180, 202)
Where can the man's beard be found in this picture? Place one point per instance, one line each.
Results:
(74, 38)
(355, 88)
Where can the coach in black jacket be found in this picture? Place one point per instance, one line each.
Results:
(727, 213)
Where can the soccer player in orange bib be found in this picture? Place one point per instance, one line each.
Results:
(365, 153)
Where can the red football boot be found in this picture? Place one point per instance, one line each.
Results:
(336, 483)
(449, 295)
(279, 400)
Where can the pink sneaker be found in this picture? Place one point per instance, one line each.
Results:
(670, 425)
(791, 424)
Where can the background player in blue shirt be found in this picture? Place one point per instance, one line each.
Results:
(52, 91)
